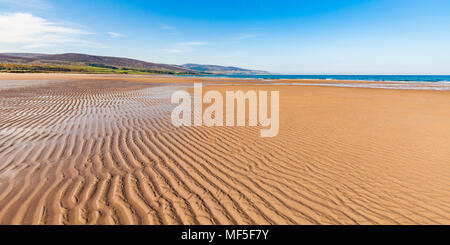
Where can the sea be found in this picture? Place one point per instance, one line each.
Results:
(409, 82)
(395, 78)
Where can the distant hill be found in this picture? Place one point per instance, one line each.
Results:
(74, 59)
(74, 62)
(23, 55)
(226, 70)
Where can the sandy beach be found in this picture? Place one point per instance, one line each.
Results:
(101, 149)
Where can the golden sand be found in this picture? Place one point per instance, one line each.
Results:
(101, 149)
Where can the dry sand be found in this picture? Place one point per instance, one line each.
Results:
(83, 149)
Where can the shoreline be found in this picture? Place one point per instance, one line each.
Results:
(219, 77)
(396, 85)
(282, 77)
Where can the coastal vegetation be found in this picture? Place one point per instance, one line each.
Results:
(91, 68)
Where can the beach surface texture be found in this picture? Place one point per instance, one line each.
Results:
(101, 149)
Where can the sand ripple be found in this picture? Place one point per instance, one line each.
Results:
(97, 152)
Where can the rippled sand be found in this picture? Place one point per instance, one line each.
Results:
(102, 150)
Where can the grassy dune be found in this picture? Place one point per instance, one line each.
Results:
(92, 69)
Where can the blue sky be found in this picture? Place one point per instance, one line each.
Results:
(289, 37)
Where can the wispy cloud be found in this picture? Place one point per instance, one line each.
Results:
(194, 43)
(114, 34)
(185, 47)
(174, 51)
(166, 27)
(244, 36)
(32, 31)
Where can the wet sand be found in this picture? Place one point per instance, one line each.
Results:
(101, 149)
